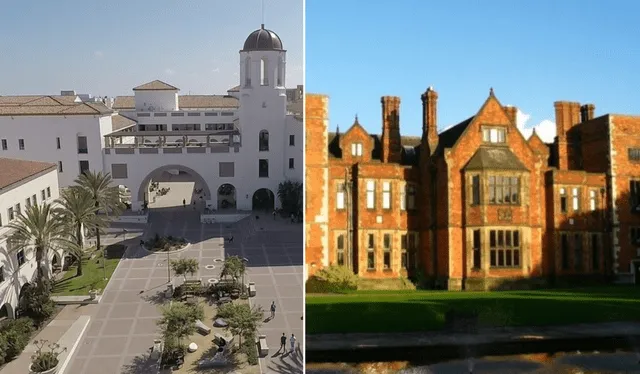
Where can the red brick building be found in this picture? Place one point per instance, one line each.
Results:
(476, 206)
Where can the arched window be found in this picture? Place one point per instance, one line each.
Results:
(247, 71)
(263, 142)
(280, 72)
(264, 79)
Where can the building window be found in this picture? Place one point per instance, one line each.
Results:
(504, 190)
(58, 143)
(226, 170)
(592, 200)
(263, 168)
(48, 192)
(18, 209)
(477, 252)
(34, 200)
(43, 195)
(493, 135)
(11, 214)
(84, 166)
(634, 194)
(340, 196)
(60, 170)
(387, 251)
(386, 195)
(371, 258)
(0, 220)
(1, 274)
(371, 194)
(292, 140)
(291, 164)
(595, 251)
(403, 198)
(27, 202)
(634, 236)
(577, 252)
(119, 171)
(575, 199)
(340, 251)
(82, 145)
(504, 246)
(411, 197)
(475, 190)
(264, 79)
(634, 154)
(356, 149)
(4, 144)
(563, 200)
(20, 257)
(413, 245)
(21, 144)
(263, 142)
(404, 261)
(564, 248)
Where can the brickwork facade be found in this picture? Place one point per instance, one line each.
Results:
(477, 206)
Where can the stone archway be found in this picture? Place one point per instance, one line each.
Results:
(7, 311)
(199, 181)
(227, 197)
(263, 199)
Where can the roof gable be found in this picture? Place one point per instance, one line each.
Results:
(494, 158)
(156, 85)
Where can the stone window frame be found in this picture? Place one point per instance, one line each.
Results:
(338, 250)
(593, 200)
(341, 195)
(476, 249)
(576, 201)
(595, 251)
(633, 154)
(409, 244)
(370, 192)
(475, 189)
(634, 193)
(370, 237)
(411, 191)
(512, 247)
(519, 187)
(563, 202)
(356, 149)
(499, 129)
(387, 195)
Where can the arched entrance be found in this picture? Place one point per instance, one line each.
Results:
(263, 199)
(7, 311)
(174, 186)
(226, 197)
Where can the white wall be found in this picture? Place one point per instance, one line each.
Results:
(15, 277)
(40, 133)
(294, 127)
(159, 100)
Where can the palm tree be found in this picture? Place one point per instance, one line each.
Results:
(76, 208)
(40, 228)
(103, 195)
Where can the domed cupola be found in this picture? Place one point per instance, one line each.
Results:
(263, 40)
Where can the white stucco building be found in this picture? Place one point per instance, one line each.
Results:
(247, 140)
(22, 183)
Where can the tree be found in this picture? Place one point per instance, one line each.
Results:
(241, 318)
(290, 195)
(36, 302)
(184, 266)
(76, 208)
(233, 267)
(39, 227)
(179, 319)
(105, 196)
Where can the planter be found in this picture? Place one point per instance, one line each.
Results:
(93, 294)
(50, 371)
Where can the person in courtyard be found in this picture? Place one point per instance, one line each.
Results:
(141, 243)
(283, 343)
(194, 205)
(230, 239)
(274, 215)
(184, 203)
(293, 342)
(273, 310)
(293, 218)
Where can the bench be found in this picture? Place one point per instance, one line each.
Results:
(263, 349)
(252, 289)
(202, 328)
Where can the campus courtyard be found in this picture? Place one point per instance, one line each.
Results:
(123, 325)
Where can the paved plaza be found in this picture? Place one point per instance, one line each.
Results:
(123, 325)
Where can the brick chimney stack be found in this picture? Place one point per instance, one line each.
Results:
(567, 116)
(430, 119)
(587, 111)
(391, 143)
(512, 113)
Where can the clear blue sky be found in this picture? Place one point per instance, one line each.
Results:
(532, 53)
(109, 47)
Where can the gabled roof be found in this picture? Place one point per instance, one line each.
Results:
(13, 171)
(487, 158)
(119, 122)
(450, 136)
(234, 89)
(49, 105)
(156, 85)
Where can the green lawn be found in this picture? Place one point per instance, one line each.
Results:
(403, 311)
(92, 273)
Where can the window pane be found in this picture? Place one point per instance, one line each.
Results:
(492, 238)
(508, 238)
(371, 242)
(516, 257)
(508, 257)
(500, 238)
(493, 258)
(516, 239)
(500, 258)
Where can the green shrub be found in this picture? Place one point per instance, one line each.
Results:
(249, 348)
(4, 345)
(37, 303)
(16, 333)
(332, 279)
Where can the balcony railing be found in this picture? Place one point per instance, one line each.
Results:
(220, 140)
(83, 151)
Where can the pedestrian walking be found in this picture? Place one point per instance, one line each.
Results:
(273, 310)
(293, 342)
(231, 239)
(184, 203)
(293, 217)
(283, 343)
(194, 205)
(274, 215)
(141, 243)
